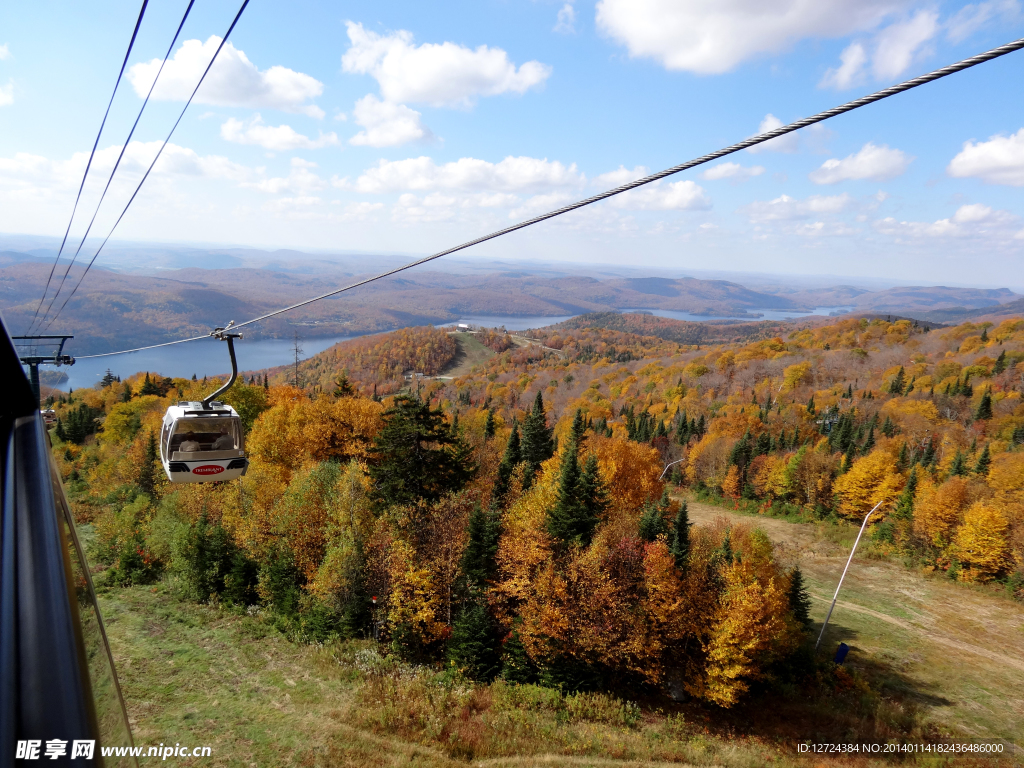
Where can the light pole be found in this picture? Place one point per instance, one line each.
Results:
(850, 560)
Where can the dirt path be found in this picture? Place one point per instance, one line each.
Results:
(959, 648)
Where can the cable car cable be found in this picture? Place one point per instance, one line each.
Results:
(131, 44)
(120, 156)
(750, 142)
(148, 170)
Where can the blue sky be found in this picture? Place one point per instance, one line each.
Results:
(409, 127)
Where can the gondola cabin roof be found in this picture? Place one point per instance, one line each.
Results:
(196, 410)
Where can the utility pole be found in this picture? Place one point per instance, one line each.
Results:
(34, 360)
(298, 351)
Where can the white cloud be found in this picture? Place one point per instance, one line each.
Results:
(280, 138)
(386, 124)
(850, 71)
(5, 52)
(233, 81)
(971, 18)
(1000, 160)
(899, 44)
(974, 220)
(539, 204)
(301, 180)
(566, 22)
(786, 143)
(443, 74)
(513, 174)
(678, 196)
(620, 176)
(786, 208)
(731, 171)
(872, 162)
(714, 36)
(7, 94)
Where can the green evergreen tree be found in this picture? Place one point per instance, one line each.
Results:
(959, 466)
(898, 383)
(342, 387)
(984, 411)
(578, 428)
(60, 433)
(799, 598)
(810, 405)
(679, 545)
(474, 646)
(1000, 364)
(415, 457)
(477, 564)
(905, 502)
(266, 381)
(652, 522)
(516, 666)
(984, 334)
(150, 388)
(869, 442)
(489, 425)
(537, 443)
(108, 379)
(126, 393)
(512, 457)
(984, 461)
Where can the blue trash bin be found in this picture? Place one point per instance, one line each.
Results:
(841, 653)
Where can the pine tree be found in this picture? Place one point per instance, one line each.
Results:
(984, 461)
(905, 502)
(147, 473)
(799, 599)
(150, 388)
(680, 542)
(108, 379)
(515, 664)
(126, 393)
(903, 459)
(342, 387)
(984, 334)
(984, 411)
(484, 529)
(266, 381)
(415, 456)
(194, 377)
(869, 443)
(537, 443)
(1000, 365)
(810, 405)
(567, 519)
(898, 383)
(652, 522)
(489, 425)
(474, 646)
(513, 456)
(578, 428)
(959, 466)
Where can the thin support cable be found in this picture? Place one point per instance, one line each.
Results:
(155, 159)
(131, 44)
(117, 164)
(752, 141)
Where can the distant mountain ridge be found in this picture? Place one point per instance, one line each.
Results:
(115, 310)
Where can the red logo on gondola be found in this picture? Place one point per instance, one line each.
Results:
(208, 469)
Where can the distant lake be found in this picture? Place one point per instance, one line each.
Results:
(210, 358)
(203, 358)
(766, 314)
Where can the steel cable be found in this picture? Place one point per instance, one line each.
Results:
(155, 159)
(750, 142)
(118, 162)
(131, 44)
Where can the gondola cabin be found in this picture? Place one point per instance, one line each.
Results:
(202, 443)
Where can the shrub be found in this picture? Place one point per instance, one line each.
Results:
(121, 542)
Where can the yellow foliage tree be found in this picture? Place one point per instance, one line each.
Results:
(630, 471)
(871, 479)
(938, 508)
(793, 375)
(981, 542)
(731, 484)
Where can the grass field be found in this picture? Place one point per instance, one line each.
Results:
(471, 353)
(953, 651)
